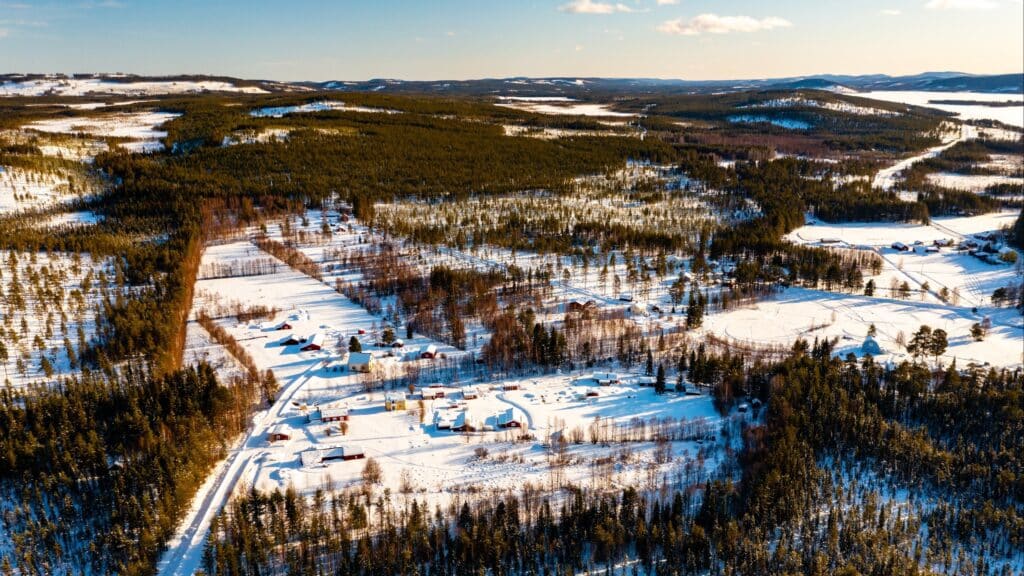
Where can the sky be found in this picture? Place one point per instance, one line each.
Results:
(462, 39)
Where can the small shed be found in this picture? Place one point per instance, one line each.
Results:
(606, 378)
(283, 326)
(429, 351)
(870, 346)
(291, 340)
(349, 452)
(278, 433)
(394, 401)
(470, 393)
(360, 362)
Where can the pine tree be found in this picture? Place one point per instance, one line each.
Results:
(659, 381)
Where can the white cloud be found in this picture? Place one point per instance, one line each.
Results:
(592, 7)
(667, 2)
(579, 47)
(891, 12)
(4, 32)
(715, 24)
(960, 4)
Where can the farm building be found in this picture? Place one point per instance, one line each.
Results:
(313, 456)
(325, 414)
(283, 326)
(432, 392)
(291, 340)
(350, 452)
(507, 386)
(900, 246)
(278, 433)
(360, 362)
(511, 418)
(579, 305)
(470, 393)
(394, 401)
(606, 378)
(314, 342)
(429, 351)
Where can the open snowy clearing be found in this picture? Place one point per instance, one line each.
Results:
(563, 107)
(972, 183)
(141, 127)
(809, 314)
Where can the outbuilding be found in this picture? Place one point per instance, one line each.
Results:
(606, 378)
(329, 414)
(428, 352)
(314, 342)
(278, 433)
(510, 418)
(394, 401)
(291, 340)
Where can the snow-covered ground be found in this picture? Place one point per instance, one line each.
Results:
(415, 455)
(142, 128)
(844, 107)
(61, 86)
(50, 312)
(887, 177)
(22, 189)
(968, 280)
(971, 182)
(560, 106)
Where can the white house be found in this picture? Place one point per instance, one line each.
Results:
(360, 362)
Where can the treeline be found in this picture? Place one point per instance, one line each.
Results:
(96, 472)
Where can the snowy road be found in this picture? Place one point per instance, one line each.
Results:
(886, 178)
(185, 552)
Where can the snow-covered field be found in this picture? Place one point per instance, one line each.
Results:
(968, 280)
(561, 106)
(972, 183)
(61, 86)
(142, 128)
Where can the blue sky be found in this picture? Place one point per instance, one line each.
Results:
(454, 39)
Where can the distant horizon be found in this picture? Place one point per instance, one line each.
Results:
(322, 40)
(821, 75)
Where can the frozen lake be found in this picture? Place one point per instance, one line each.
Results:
(1011, 115)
